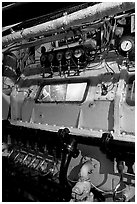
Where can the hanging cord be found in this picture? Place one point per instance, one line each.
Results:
(107, 44)
(107, 50)
(111, 33)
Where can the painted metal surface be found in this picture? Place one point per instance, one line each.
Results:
(108, 112)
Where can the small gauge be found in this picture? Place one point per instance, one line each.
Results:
(126, 45)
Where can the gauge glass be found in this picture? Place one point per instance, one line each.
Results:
(126, 45)
(78, 53)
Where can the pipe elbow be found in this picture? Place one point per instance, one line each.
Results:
(85, 170)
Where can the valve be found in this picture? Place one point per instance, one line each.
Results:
(81, 192)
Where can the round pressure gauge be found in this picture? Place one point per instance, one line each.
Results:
(50, 57)
(68, 54)
(59, 56)
(78, 53)
(126, 45)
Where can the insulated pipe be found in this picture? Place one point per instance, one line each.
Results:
(91, 14)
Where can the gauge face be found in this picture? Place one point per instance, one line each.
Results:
(126, 45)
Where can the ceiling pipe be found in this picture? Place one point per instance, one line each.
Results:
(91, 14)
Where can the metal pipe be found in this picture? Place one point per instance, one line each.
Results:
(91, 13)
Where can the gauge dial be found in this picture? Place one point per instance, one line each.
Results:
(126, 45)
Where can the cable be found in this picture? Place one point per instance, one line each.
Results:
(97, 65)
(105, 192)
(100, 190)
(109, 67)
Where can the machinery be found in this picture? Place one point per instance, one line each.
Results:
(69, 135)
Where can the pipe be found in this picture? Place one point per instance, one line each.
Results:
(85, 170)
(69, 150)
(91, 13)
